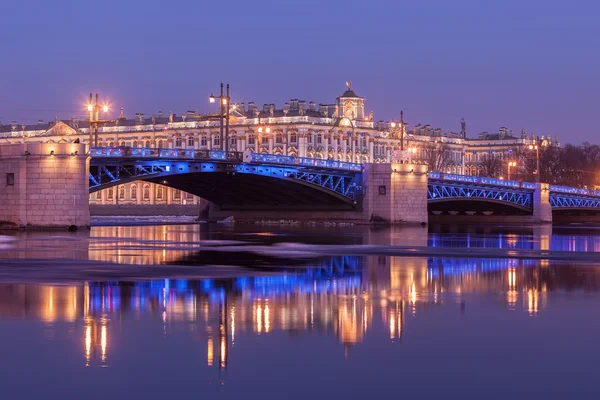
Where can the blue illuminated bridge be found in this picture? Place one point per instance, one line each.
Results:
(267, 181)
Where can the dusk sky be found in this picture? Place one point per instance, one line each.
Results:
(531, 64)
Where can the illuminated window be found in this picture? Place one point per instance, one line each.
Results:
(146, 192)
(134, 192)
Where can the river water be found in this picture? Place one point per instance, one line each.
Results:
(270, 312)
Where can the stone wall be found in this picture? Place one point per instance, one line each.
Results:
(50, 187)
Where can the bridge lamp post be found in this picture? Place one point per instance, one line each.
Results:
(537, 161)
(94, 110)
(223, 113)
(511, 164)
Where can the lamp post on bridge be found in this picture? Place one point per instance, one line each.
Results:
(537, 161)
(94, 110)
(223, 114)
(511, 164)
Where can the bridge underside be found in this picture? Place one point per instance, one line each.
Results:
(254, 192)
(475, 206)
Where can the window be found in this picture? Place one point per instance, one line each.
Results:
(233, 141)
(293, 138)
(319, 139)
(110, 193)
(134, 192)
(278, 138)
(160, 144)
(177, 194)
(216, 141)
(264, 140)
(189, 196)
(178, 142)
(135, 143)
(251, 140)
(159, 193)
(190, 141)
(10, 179)
(121, 192)
(99, 195)
(203, 141)
(147, 144)
(146, 192)
(310, 138)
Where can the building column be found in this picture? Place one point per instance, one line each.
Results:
(326, 145)
(371, 149)
(353, 148)
(271, 144)
(344, 148)
(169, 194)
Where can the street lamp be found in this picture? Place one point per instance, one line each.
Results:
(223, 113)
(94, 110)
(537, 161)
(511, 164)
(398, 129)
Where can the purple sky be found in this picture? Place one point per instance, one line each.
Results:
(530, 64)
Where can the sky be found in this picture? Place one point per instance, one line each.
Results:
(523, 64)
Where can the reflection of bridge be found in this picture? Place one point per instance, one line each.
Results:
(266, 180)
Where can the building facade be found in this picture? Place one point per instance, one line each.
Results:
(338, 131)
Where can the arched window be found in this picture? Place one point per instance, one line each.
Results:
(135, 143)
(147, 144)
(293, 138)
(146, 192)
(190, 141)
(112, 144)
(233, 141)
(264, 140)
(216, 141)
(110, 194)
(177, 194)
(319, 139)
(122, 143)
(251, 140)
(159, 193)
(121, 192)
(134, 192)
(279, 138)
(177, 142)
(203, 141)
(160, 144)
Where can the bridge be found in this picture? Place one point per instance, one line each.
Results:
(49, 185)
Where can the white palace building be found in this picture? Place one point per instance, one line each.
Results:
(338, 131)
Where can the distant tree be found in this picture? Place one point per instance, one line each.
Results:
(436, 155)
(492, 165)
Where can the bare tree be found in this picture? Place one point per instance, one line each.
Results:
(492, 166)
(436, 155)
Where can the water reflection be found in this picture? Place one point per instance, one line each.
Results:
(371, 295)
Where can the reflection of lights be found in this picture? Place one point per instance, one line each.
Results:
(267, 321)
(258, 318)
(392, 324)
(88, 343)
(532, 302)
(210, 351)
(232, 324)
(103, 341)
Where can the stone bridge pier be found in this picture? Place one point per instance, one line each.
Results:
(44, 186)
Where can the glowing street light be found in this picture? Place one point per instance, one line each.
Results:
(223, 114)
(94, 109)
(537, 161)
(511, 164)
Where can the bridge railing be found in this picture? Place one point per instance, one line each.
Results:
(305, 161)
(571, 190)
(481, 180)
(146, 152)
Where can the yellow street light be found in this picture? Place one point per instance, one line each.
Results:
(90, 107)
(211, 99)
(105, 108)
(511, 164)
(393, 124)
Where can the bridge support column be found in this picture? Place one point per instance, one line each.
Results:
(44, 185)
(542, 210)
(395, 193)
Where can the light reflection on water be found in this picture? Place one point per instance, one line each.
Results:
(352, 319)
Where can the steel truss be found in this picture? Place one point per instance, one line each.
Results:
(437, 190)
(342, 184)
(106, 174)
(565, 201)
